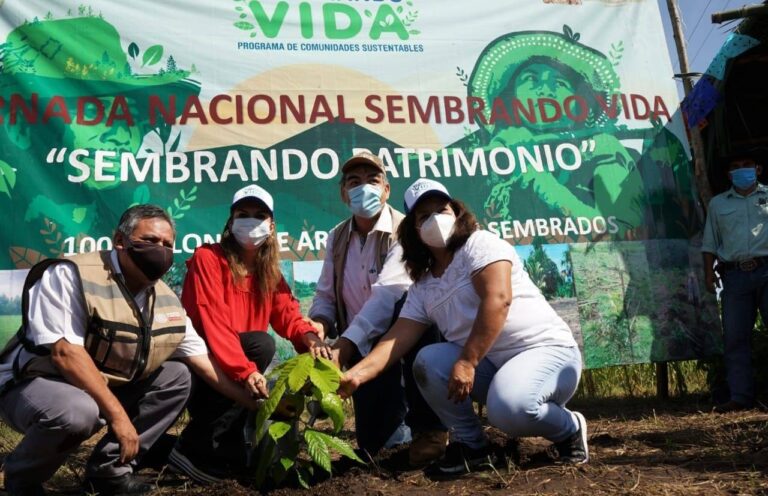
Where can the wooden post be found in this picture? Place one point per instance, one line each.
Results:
(662, 380)
(699, 163)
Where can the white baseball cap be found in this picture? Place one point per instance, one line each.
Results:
(422, 188)
(257, 192)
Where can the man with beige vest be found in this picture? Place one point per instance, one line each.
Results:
(362, 280)
(102, 341)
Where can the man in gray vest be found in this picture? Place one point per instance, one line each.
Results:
(362, 280)
(102, 341)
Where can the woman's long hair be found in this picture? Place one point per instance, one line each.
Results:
(266, 269)
(416, 255)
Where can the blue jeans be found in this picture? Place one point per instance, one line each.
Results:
(742, 295)
(525, 397)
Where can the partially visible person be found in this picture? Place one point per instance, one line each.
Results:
(505, 346)
(735, 237)
(362, 281)
(103, 341)
(232, 292)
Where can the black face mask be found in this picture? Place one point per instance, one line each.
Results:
(152, 259)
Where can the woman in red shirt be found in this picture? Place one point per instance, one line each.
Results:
(232, 292)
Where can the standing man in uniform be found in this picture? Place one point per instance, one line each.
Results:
(362, 280)
(736, 237)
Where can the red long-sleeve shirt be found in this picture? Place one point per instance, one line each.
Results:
(221, 310)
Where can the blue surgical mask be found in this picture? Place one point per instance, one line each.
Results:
(365, 200)
(744, 178)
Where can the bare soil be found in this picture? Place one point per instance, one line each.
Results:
(637, 447)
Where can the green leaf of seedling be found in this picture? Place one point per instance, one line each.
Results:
(368, 13)
(287, 463)
(317, 449)
(332, 405)
(339, 446)
(184, 208)
(176, 203)
(302, 477)
(399, 9)
(133, 50)
(278, 430)
(269, 406)
(193, 190)
(182, 194)
(191, 198)
(244, 25)
(153, 55)
(7, 178)
(324, 377)
(300, 373)
(414, 31)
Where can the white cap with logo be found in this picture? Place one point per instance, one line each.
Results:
(422, 188)
(257, 192)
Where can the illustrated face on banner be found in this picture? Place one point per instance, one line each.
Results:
(119, 137)
(539, 80)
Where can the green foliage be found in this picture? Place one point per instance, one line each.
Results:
(545, 274)
(298, 383)
(304, 289)
(152, 55)
(7, 178)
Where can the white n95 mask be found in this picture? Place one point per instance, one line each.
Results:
(437, 230)
(251, 233)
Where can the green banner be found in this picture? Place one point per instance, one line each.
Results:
(557, 124)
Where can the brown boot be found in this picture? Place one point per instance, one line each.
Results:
(427, 447)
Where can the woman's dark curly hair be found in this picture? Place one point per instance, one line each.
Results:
(416, 255)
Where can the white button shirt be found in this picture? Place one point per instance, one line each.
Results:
(369, 297)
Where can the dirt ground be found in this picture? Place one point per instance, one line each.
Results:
(637, 447)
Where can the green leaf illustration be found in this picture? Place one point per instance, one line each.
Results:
(317, 449)
(141, 195)
(78, 214)
(7, 178)
(244, 25)
(278, 430)
(153, 55)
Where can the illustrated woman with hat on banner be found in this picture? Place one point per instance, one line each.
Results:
(505, 346)
(232, 292)
(555, 71)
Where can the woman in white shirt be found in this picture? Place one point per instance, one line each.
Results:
(505, 346)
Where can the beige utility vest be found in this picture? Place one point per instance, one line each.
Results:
(125, 344)
(341, 235)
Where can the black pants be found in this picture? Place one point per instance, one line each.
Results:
(382, 404)
(215, 428)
